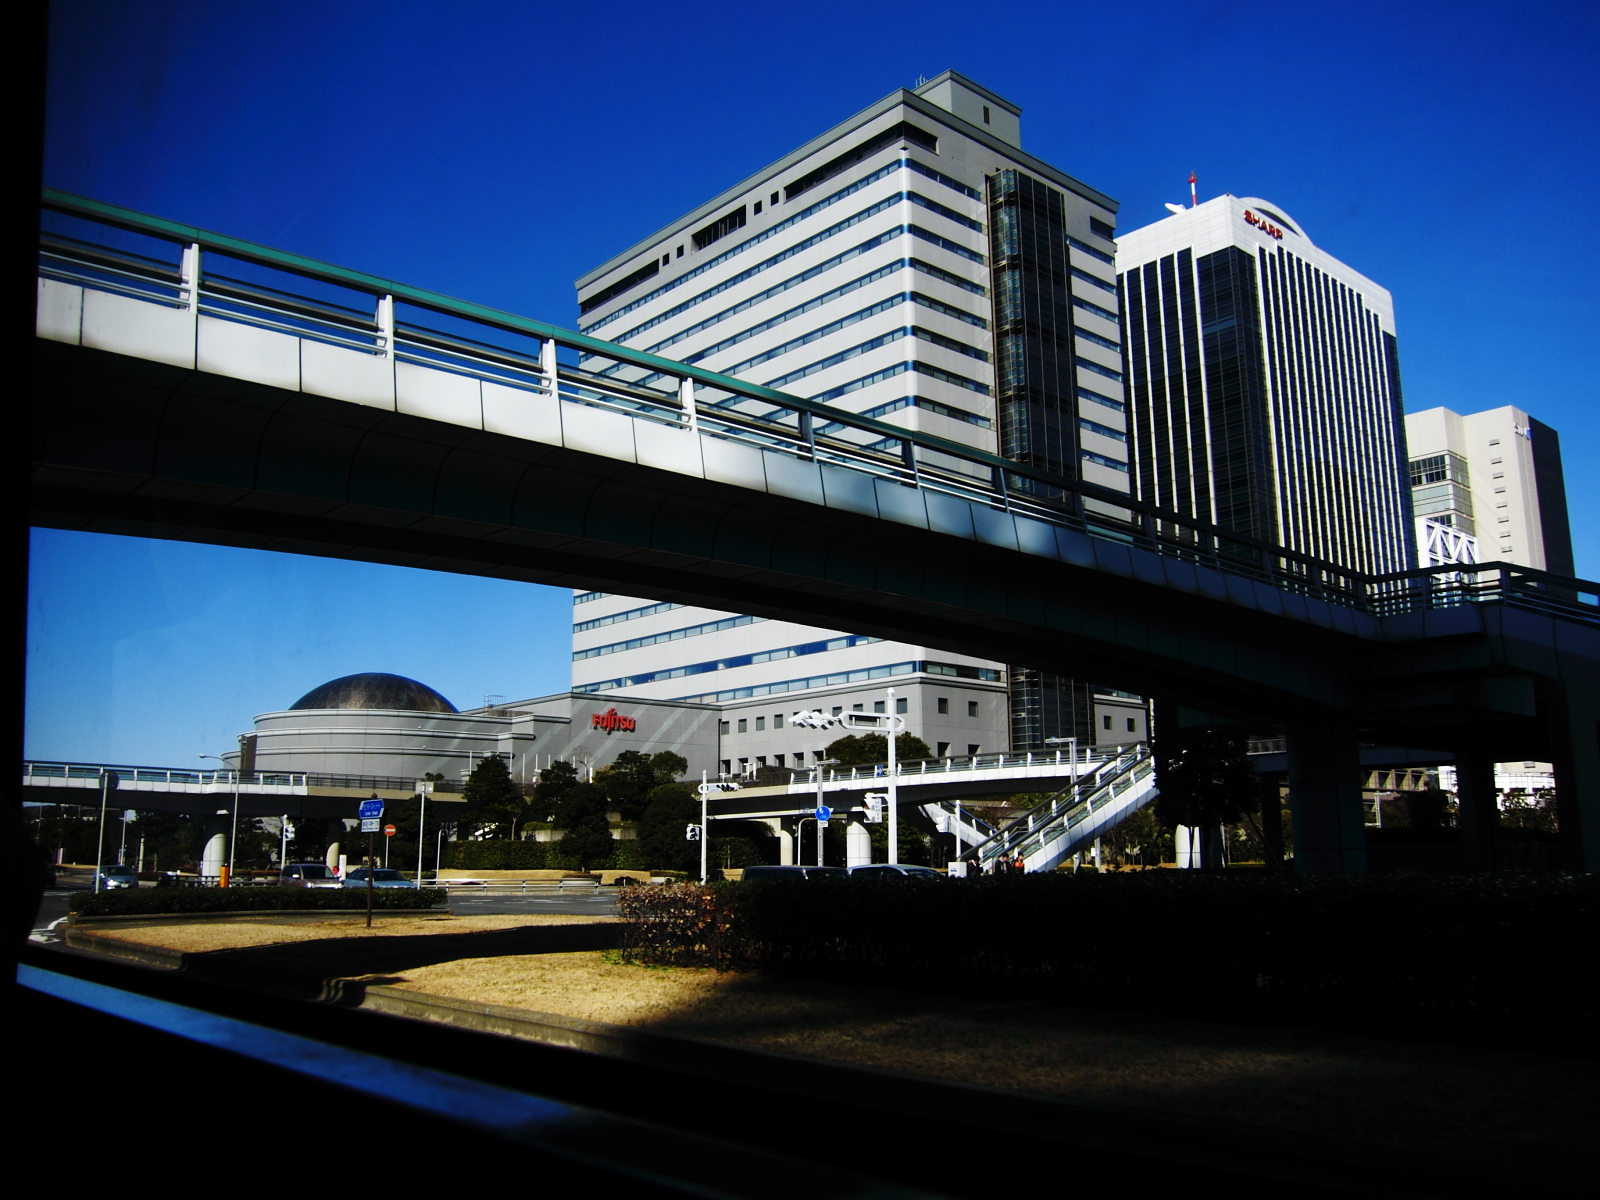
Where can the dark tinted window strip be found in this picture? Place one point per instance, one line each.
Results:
(943, 276)
(782, 318)
(1102, 430)
(771, 231)
(1091, 456)
(1087, 365)
(626, 284)
(818, 334)
(1080, 331)
(1091, 251)
(1095, 280)
(724, 664)
(949, 214)
(922, 402)
(941, 307)
(939, 339)
(855, 385)
(946, 244)
(588, 596)
(905, 131)
(633, 614)
(937, 177)
(672, 635)
(833, 360)
(1096, 398)
(1105, 314)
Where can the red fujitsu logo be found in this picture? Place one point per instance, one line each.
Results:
(611, 720)
(1265, 226)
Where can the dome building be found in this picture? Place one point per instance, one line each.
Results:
(380, 726)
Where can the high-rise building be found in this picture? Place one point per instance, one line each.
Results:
(1492, 477)
(912, 264)
(1265, 385)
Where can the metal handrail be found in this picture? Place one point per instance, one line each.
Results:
(1011, 486)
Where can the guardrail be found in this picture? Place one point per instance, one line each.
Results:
(181, 266)
(89, 775)
(919, 768)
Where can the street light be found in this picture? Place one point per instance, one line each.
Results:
(233, 841)
(825, 762)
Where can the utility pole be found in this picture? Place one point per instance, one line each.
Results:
(894, 787)
(107, 782)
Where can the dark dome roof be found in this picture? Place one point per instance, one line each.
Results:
(373, 689)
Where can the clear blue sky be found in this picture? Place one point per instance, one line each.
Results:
(496, 151)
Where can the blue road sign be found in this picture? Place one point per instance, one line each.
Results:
(822, 812)
(372, 810)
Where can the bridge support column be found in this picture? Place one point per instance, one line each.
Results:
(1572, 718)
(857, 845)
(1325, 799)
(785, 846)
(1477, 809)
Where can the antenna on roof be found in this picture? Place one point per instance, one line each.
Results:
(922, 81)
(1194, 201)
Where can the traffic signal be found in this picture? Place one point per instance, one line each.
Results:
(691, 833)
(875, 807)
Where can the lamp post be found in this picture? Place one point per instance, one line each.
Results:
(233, 840)
(825, 762)
(894, 787)
(108, 780)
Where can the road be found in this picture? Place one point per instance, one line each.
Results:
(53, 906)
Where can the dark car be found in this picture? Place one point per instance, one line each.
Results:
(307, 875)
(382, 877)
(794, 873)
(894, 871)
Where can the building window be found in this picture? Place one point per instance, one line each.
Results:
(837, 709)
(944, 749)
(900, 705)
(985, 114)
(856, 707)
(1107, 721)
(972, 708)
(877, 706)
(722, 727)
(774, 199)
(1100, 229)
(777, 760)
(761, 723)
(680, 251)
(777, 720)
(1132, 726)
(727, 767)
(719, 229)
(666, 258)
(757, 208)
(972, 748)
(761, 760)
(744, 726)
(944, 705)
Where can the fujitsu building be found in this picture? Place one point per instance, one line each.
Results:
(1264, 385)
(915, 265)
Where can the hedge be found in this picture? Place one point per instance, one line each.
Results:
(1500, 956)
(156, 901)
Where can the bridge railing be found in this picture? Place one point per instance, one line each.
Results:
(90, 773)
(102, 246)
(927, 769)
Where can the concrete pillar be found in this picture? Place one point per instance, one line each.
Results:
(1477, 810)
(215, 855)
(857, 845)
(1325, 798)
(785, 847)
(1571, 711)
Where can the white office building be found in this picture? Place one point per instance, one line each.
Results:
(1265, 384)
(912, 264)
(1488, 487)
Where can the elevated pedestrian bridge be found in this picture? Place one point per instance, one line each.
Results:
(196, 386)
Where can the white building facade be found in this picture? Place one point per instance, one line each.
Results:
(1494, 477)
(1265, 385)
(912, 264)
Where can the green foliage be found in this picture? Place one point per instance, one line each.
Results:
(498, 854)
(247, 899)
(553, 783)
(579, 801)
(671, 807)
(732, 852)
(1206, 778)
(588, 841)
(631, 776)
(869, 748)
(494, 799)
(1520, 809)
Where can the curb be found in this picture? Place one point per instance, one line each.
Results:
(255, 914)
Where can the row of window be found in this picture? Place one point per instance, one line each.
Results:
(922, 402)
(728, 663)
(1097, 339)
(671, 635)
(1088, 364)
(779, 761)
(901, 705)
(1105, 314)
(900, 368)
(1102, 460)
(586, 597)
(1102, 430)
(861, 675)
(633, 614)
(1094, 397)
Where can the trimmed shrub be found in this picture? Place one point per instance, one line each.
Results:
(156, 901)
(681, 924)
(1496, 957)
(499, 854)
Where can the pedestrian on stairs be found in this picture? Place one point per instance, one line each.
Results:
(1018, 865)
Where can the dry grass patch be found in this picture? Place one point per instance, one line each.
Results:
(1439, 1098)
(199, 937)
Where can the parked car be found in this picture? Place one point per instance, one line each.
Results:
(793, 872)
(112, 878)
(895, 871)
(307, 875)
(382, 877)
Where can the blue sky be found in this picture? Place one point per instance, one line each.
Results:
(497, 151)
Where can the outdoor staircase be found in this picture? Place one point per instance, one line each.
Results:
(1071, 819)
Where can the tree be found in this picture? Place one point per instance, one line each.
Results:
(671, 807)
(589, 841)
(579, 801)
(870, 748)
(553, 783)
(1206, 780)
(494, 801)
(629, 778)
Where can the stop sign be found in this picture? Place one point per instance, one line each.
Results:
(388, 831)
